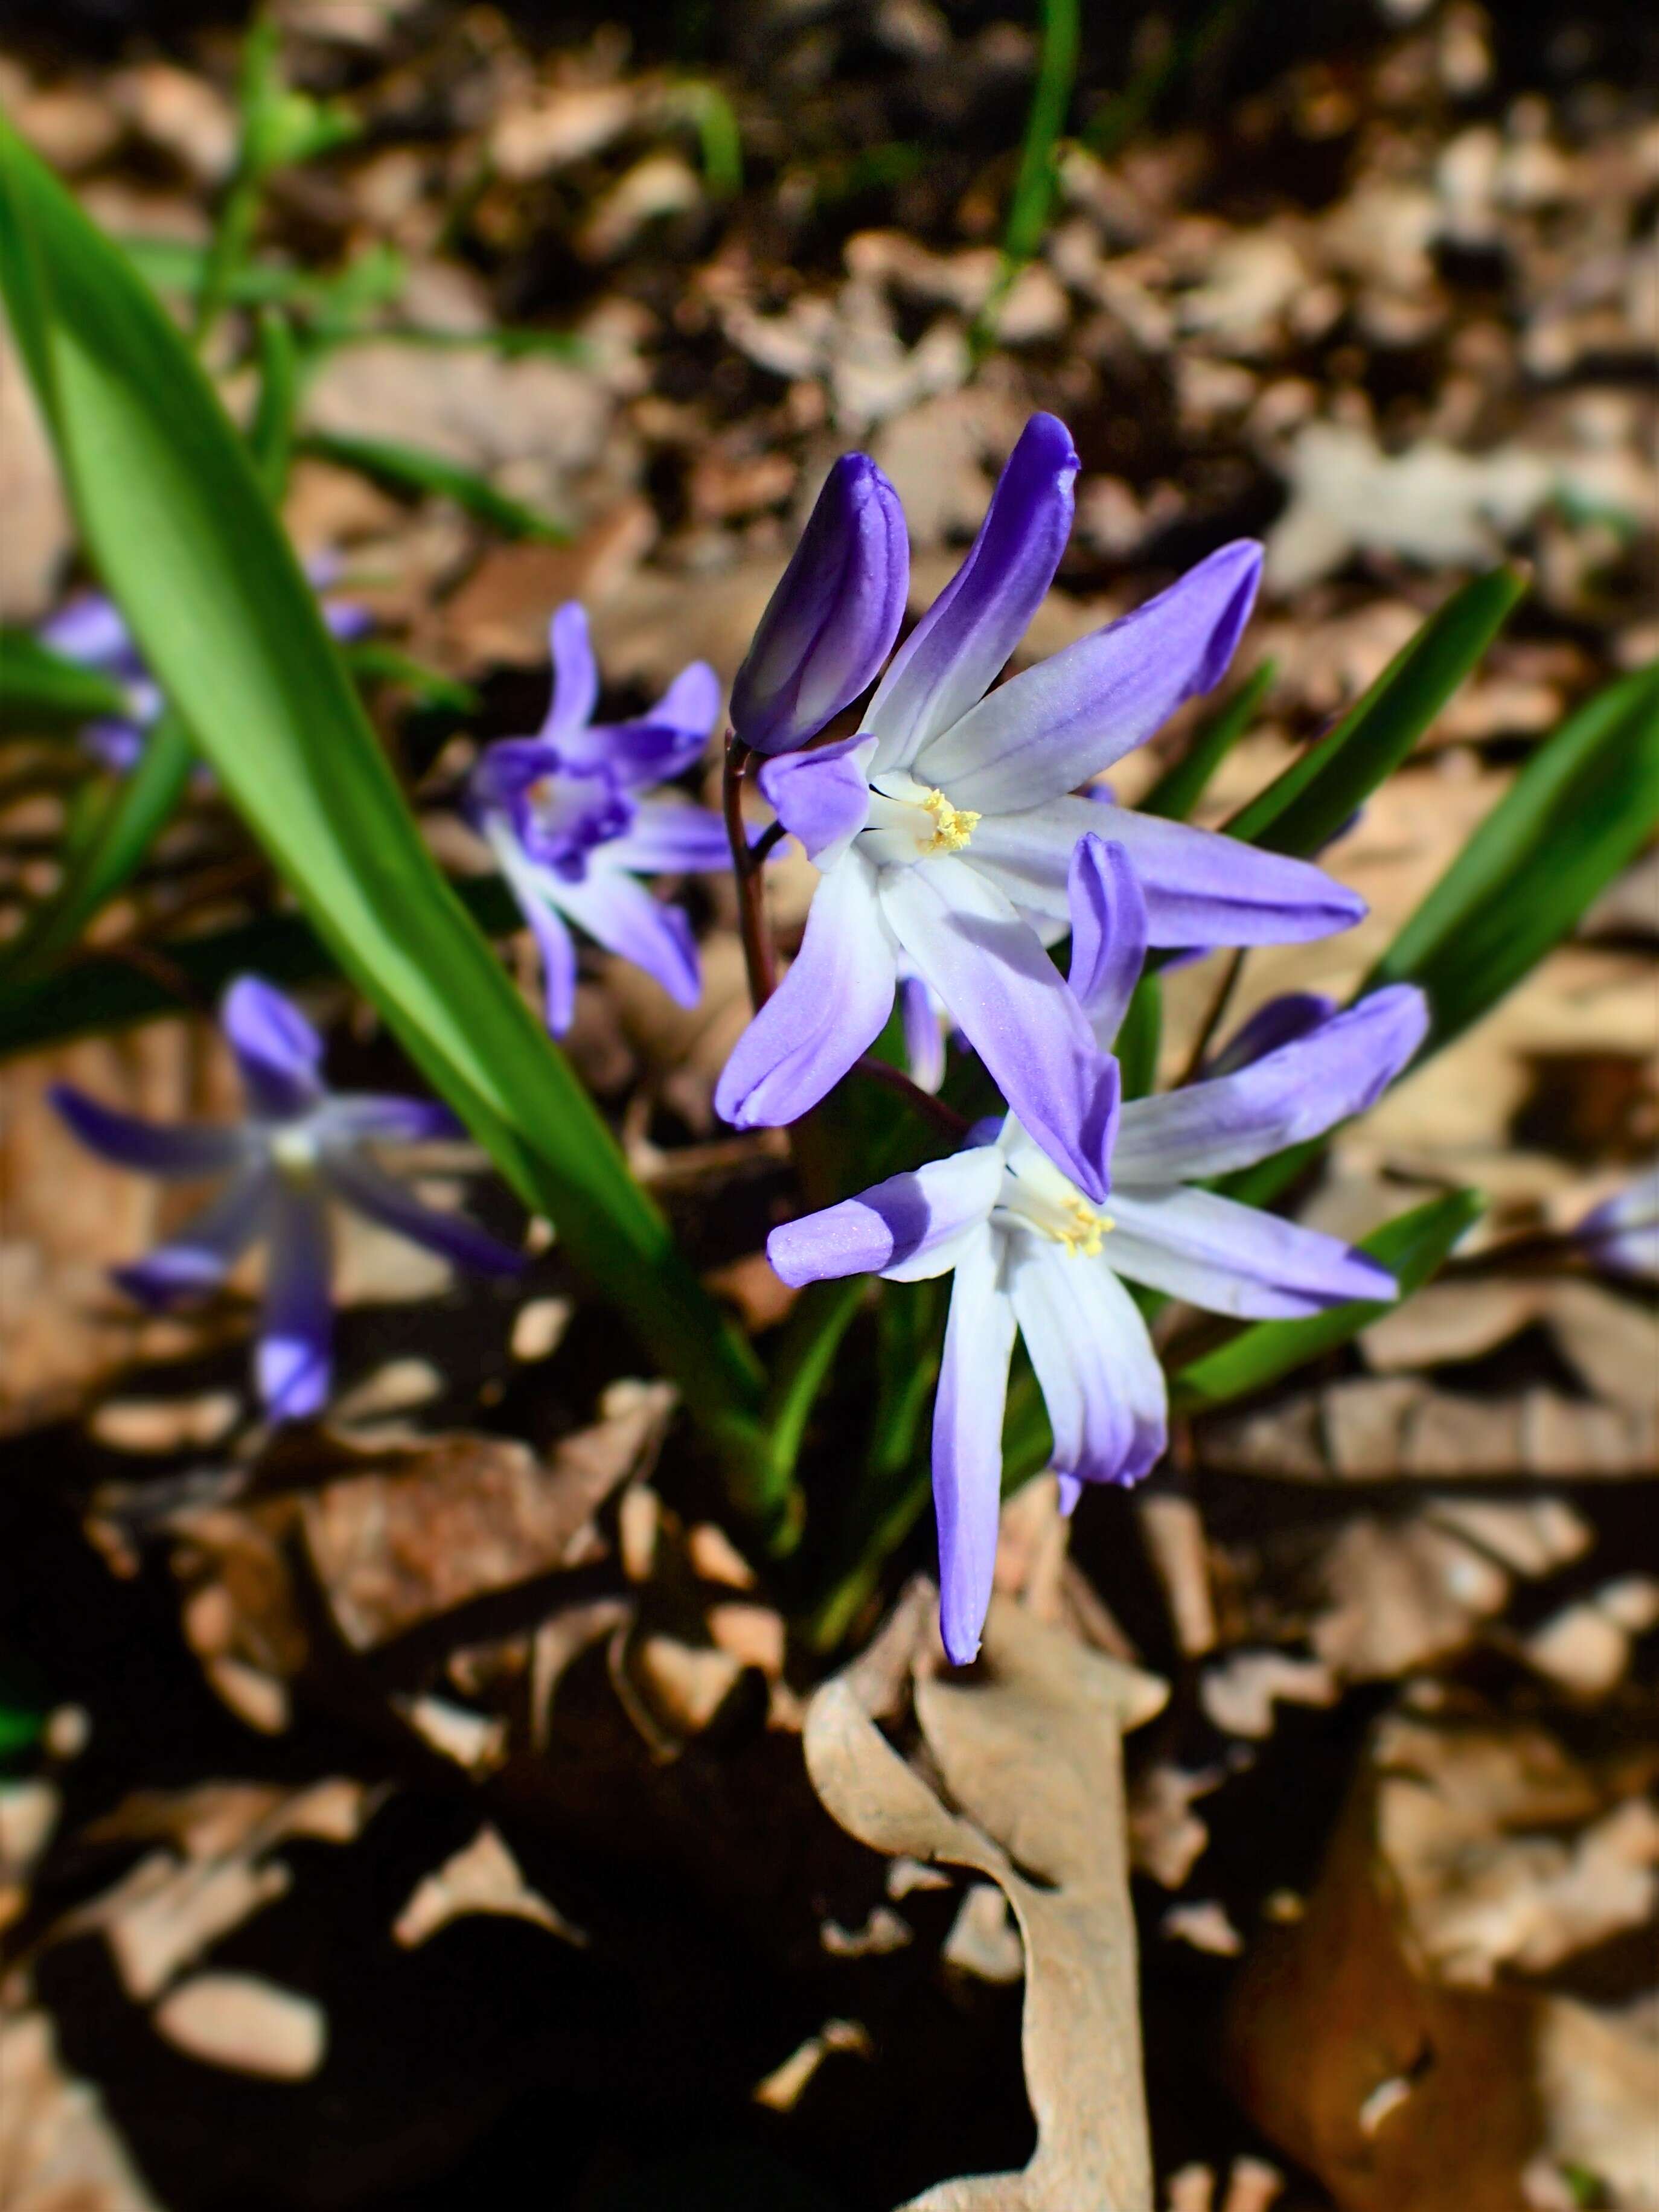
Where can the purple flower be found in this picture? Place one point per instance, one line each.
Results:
(92, 632)
(832, 619)
(1622, 1233)
(566, 815)
(945, 828)
(1031, 1254)
(297, 1147)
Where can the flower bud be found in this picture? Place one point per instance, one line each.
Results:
(831, 621)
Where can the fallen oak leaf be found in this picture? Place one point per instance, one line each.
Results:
(1033, 1754)
(482, 1876)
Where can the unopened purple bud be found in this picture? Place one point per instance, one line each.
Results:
(831, 621)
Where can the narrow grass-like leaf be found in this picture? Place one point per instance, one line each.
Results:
(171, 510)
(370, 659)
(106, 847)
(1308, 804)
(1179, 789)
(42, 693)
(409, 468)
(1583, 807)
(270, 436)
(1033, 186)
(1139, 1039)
(1412, 1246)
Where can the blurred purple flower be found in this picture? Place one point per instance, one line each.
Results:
(1030, 1253)
(566, 815)
(944, 829)
(297, 1147)
(91, 631)
(1622, 1233)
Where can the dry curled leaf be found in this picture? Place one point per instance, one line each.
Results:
(481, 1877)
(1033, 1757)
(57, 2150)
(245, 2024)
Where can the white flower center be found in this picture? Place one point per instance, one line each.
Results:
(910, 821)
(294, 1150)
(1036, 1195)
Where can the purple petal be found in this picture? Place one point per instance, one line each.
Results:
(1282, 1021)
(621, 915)
(1294, 1093)
(830, 1006)
(199, 1255)
(691, 704)
(1204, 889)
(1622, 1233)
(368, 1187)
(368, 1116)
(182, 1149)
(1108, 935)
(955, 652)
(346, 620)
(1201, 888)
(909, 1228)
(276, 1049)
(832, 619)
(1006, 997)
(972, 1391)
(1056, 725)
(1100, 1378)
(636, 754)
(558, 957)
(1230, 1258)
(822, 797)
(924, 1034)
(575, 675)
(294, 1363)
(667, 837)
(91, 630)
(118, 746)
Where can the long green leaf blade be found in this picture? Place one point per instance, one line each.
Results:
(1179, 789)
(1582, 808)
(128, 819)
(42, 694)
(171, 509)
(1304, 808)
(411, 469)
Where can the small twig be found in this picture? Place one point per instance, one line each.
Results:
(746, 868)
(883, 1071)
(1213, 1019)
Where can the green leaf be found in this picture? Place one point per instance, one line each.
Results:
(270, 436)
(1580, 811)
(42, 693)
(1308, 804)
(104, 848)
(1139, 1039)
(372, 661)
(408, 469)
(1179, 789)
(1412, 1246)
(171, 510)
(1039, 171)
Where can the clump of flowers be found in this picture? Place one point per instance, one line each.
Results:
(298, 1148)
(574, 818)
(944, 828)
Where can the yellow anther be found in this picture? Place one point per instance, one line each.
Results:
(953, 825)
(1088, 1230)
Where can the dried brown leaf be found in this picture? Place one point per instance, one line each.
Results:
(1033, 1756)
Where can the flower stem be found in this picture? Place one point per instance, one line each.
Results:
(936, 1110)
(747, 862)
